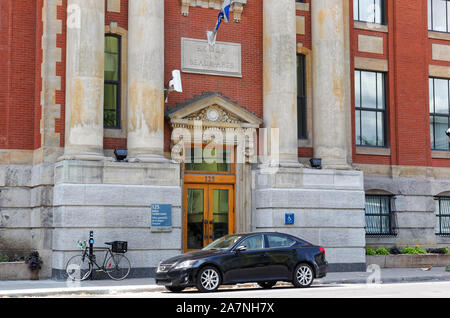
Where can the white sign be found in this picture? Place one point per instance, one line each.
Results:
(223, 59)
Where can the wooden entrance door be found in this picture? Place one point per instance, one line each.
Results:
(208, 214)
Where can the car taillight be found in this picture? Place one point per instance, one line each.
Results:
(322, 250)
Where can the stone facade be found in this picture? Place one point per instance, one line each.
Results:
(59, 178)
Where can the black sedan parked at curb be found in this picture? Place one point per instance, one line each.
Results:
(264, 258)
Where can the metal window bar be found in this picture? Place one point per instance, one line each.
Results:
(382, 12)
(379, 215)
(431, 26)
(443, 216)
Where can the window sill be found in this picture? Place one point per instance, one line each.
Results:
(371, 26)
(373, 151)
(439, 35)
(440, 154)
(301, 6)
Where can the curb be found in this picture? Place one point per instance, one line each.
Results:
(112, 290)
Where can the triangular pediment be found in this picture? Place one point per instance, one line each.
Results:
(213, 110)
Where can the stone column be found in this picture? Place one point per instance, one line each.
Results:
(85, 79)
(146, 80)
(280, 76)
(331, 82)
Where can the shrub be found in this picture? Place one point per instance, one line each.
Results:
(34, 261)
(441, 250)
(370, 251)
(382, 251)
(395, 250)
(413, 250)
(3, 258)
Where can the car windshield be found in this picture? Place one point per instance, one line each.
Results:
(223, 243)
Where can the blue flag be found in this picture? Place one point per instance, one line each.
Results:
(224, 15)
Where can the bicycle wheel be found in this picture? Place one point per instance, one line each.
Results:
(79, 267)
(117, 267)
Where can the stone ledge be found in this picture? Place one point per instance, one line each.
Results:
(17, 271)
(420, 260)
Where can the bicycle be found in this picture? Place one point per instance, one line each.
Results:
(117, 266)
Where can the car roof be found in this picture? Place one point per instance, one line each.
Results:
(252, 233)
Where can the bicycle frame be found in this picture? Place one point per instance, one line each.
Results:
(92, 260)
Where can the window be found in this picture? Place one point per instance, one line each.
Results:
(379, 217)
(369, 11)
(278, 240)
(112, 81)
(253, 243)
(442, 212)
(301, 97)
(370, 109)
(438, 15)
(439, 113)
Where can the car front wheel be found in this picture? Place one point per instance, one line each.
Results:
(303, 276)
(208, 279)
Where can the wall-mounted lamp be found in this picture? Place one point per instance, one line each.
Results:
(316, 163)
(121, 154)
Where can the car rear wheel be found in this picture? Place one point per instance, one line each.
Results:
(267, 285)
(208, 279)
(303, 276)
(175, 289)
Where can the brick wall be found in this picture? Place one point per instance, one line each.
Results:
(245, 91)
(408, 51)
(20, 64)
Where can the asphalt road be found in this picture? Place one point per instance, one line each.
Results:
(396, 290)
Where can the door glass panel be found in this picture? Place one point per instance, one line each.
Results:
(195, 218)
(220, 213)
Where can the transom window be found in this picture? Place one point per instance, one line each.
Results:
(439, 113)
(370, 108)
(438, 15)
(379, 217)
(442, 212)
(369, 11)
(112, 81)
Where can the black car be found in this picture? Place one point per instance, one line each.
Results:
(264, 258)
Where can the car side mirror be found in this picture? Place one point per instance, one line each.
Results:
(241, 248)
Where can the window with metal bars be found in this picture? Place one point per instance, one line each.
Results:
(369, 11)
(442, 212)
(370, 109)
(439, 15)
(380, 219)
(439, 113)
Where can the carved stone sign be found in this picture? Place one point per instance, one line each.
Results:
(223, 59)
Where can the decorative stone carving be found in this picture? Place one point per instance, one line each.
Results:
(237, 7)
(220, 115)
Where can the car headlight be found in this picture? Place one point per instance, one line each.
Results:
(185, 264)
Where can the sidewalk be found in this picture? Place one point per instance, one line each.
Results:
(50, 288)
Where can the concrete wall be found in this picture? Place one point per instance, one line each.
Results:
(26, 211)
(414, 206)
(113, 200)
(328, 206)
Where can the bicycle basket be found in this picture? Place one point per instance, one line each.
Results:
(119, 246)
